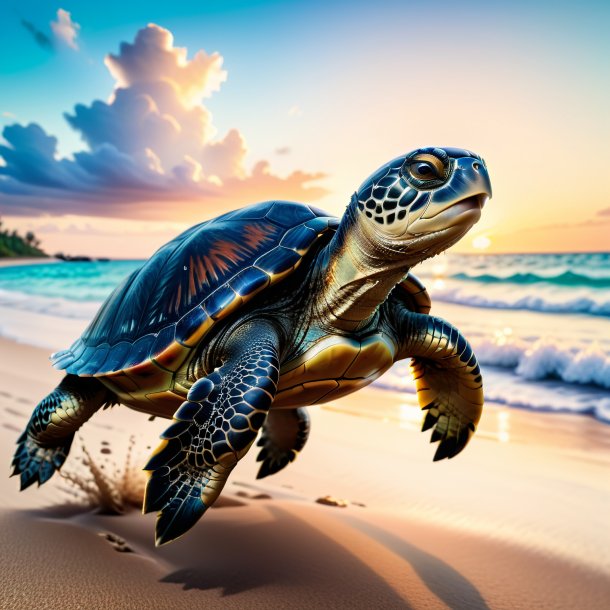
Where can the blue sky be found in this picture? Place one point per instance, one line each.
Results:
(342, 87)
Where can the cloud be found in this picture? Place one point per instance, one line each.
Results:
(65, 29)
(604, 212)
(152, 149)
(283, 150)
(42, 40)
(153, 54)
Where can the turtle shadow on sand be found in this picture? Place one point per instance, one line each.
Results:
(282, 552)
(240, 557)
(441, 578)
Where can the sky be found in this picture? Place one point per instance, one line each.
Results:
(125, 122)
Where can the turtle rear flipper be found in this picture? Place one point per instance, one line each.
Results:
(44, 445)
(37, 464)
(284, 434)
(211, 431)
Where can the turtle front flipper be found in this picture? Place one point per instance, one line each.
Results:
(44, 445)
(447, 377)
(284, 434)
(212, 430)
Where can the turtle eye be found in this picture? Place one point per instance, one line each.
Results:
(423, 170)
(426, 170)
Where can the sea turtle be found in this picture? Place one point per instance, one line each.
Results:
(243, 320)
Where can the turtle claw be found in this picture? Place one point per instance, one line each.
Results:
(179, 515)
(284, 434)
(177, 493)
(445, 449)
(37, 464)
(452, 432)
(429, 421)
(272, 464)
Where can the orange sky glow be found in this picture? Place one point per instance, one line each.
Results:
(159, 154)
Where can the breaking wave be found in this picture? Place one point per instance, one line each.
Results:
(532, 302)
(53, 306)
(545, 359)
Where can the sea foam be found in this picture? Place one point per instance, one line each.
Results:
(546, 359)
(517, 300)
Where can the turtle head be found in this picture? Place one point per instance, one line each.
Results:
(421, 203)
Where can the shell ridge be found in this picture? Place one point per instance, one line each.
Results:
(173, 306)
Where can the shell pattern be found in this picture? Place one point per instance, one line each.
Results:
(163, 309)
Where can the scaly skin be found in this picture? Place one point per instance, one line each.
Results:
(44, 445)
(333, 325)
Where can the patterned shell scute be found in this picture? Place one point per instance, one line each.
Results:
(194, 281)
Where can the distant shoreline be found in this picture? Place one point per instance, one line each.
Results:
(517, 253)
(17, 261)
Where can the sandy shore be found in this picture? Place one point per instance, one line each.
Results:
(18, 261)
(519, 520)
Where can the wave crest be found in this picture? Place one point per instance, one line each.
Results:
(567, 278)
(545, 359)
(584, 305)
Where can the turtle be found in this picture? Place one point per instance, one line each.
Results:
(241, 322)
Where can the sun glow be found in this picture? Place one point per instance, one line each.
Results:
(482, 242)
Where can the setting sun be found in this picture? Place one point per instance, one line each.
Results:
(482, 242)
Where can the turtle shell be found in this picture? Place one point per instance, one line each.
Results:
(414, 294)
(164, 309)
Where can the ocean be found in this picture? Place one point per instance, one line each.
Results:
(539, 323)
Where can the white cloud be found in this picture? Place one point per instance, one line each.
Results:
(65, 29)
(151, 143)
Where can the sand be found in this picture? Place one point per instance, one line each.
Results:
(17, 261)
(519, 520)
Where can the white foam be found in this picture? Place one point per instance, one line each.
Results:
(547, 359)
(53, 306)
(551, 302)
(503, 387)
(39, 329)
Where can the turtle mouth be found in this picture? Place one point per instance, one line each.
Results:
(459, 215)
(474, 201)
(465, 208)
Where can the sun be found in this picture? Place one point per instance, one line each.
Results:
(482, 242)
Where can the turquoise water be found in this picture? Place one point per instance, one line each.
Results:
(86, 281)
(559, 283)
(568, 283)
(540, 320)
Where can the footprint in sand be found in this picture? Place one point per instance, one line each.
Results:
(12, 428)
(261, 496)
(116, 542)
(14, 412)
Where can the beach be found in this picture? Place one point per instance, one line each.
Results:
(514, 523)
(518, 520)
(20, 261)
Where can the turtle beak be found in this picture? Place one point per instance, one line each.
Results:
(483, 180)
(471, 181)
